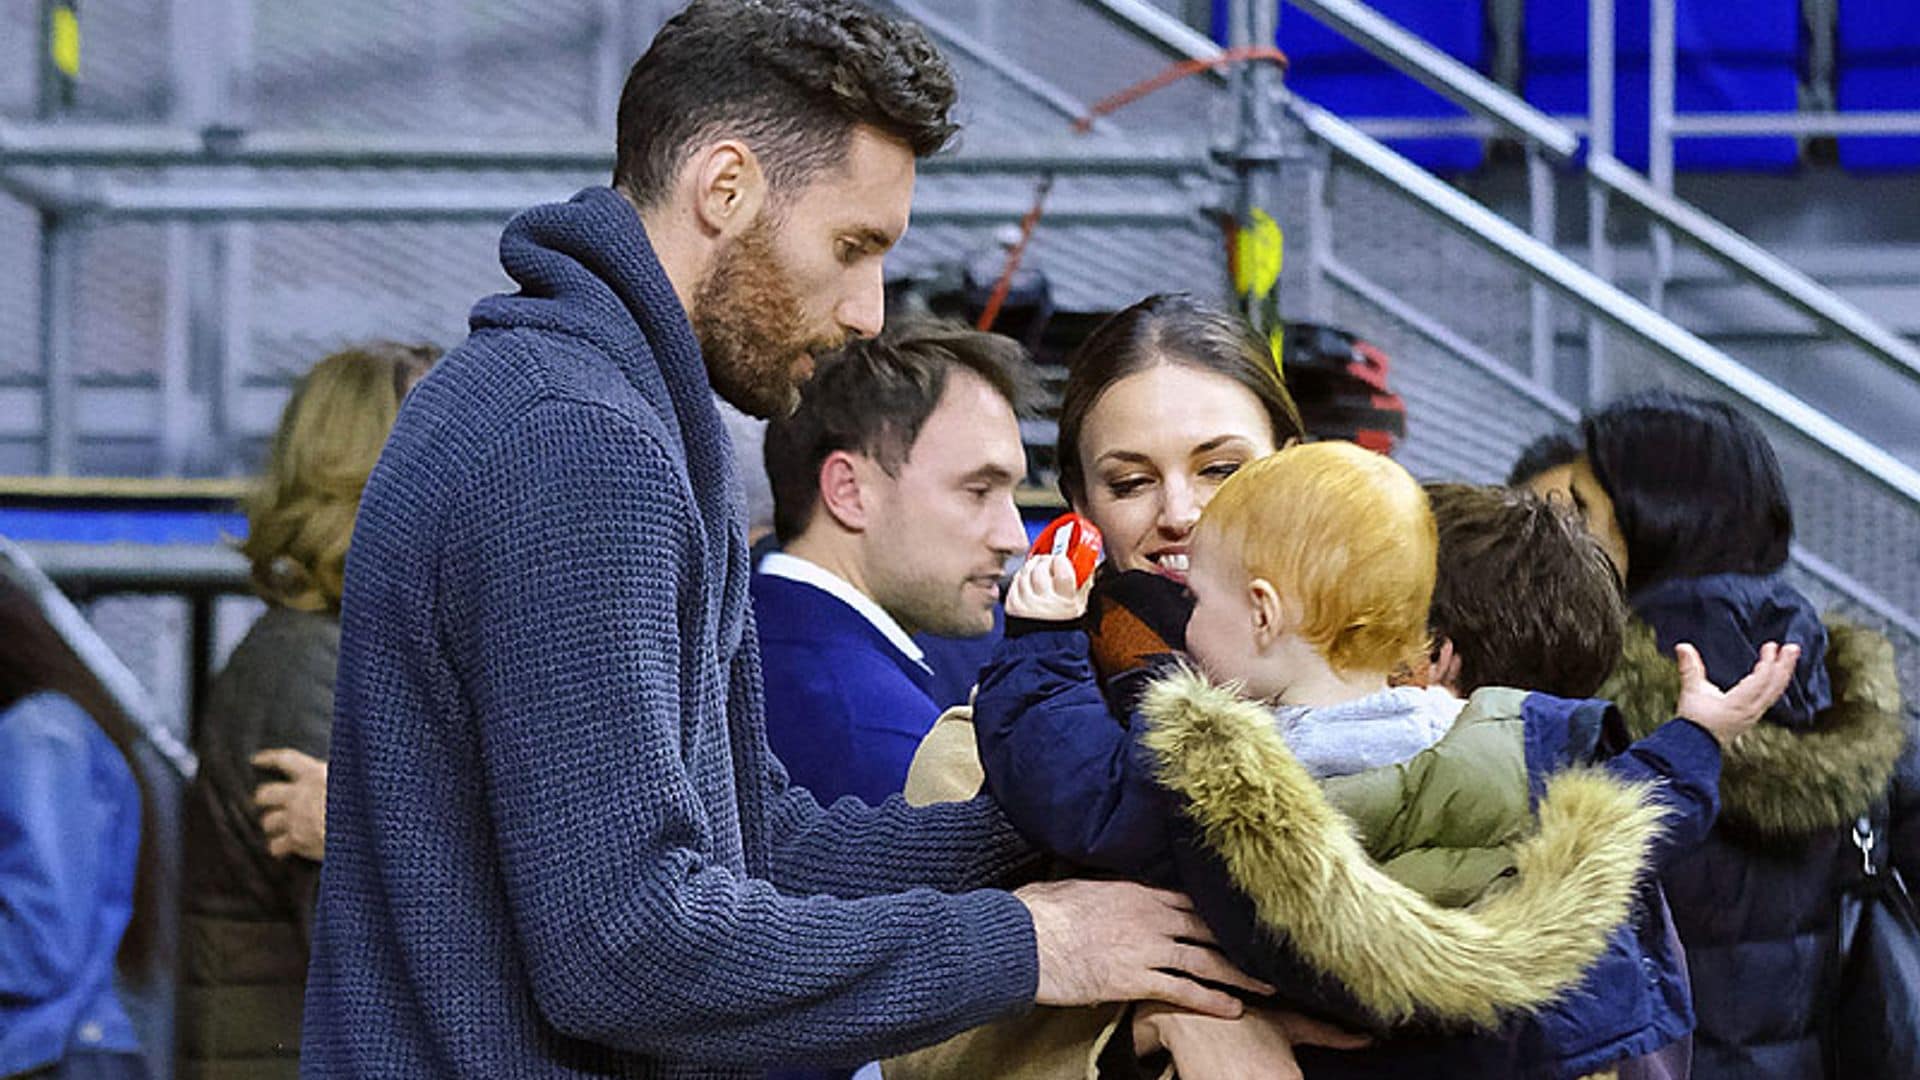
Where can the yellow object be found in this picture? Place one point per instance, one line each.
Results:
(64, 41)
(1260, 250)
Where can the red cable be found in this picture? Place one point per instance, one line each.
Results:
(1112, 103)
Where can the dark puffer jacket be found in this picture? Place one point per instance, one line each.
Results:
(248, 916)
(1755, 905)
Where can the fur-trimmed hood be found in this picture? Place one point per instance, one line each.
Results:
(1401, 955)
(1789, 781)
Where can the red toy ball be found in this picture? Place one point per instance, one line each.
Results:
(1076, 538)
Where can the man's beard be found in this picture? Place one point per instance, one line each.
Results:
(752, 328)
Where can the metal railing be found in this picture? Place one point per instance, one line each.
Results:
(1548, 268)
(1496, 109)
(1490, 101)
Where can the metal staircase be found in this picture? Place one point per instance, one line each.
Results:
(1475, 309)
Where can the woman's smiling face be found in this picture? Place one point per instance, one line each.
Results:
(1154, 448)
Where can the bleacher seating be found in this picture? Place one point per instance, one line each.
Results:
(1329, 69)
(1740, 57)
(1877, 56)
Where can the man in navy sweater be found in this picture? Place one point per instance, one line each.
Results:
(557, 844)
(893, 501)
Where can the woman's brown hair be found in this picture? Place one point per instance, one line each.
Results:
(300, 517)
(1167, 328)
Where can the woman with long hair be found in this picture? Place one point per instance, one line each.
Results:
(249, 895)
(1688, 496)
(1163, 402)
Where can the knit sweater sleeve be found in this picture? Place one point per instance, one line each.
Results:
(566, 583)
(851, 849)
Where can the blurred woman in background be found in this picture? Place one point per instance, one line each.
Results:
(251, 878)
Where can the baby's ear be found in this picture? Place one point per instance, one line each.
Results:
(1269, 612)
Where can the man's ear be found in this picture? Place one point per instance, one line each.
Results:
(1269, 613)
(730, 189)
(843, 494)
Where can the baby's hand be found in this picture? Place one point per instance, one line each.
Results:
(1044, 589)
(1731, 714)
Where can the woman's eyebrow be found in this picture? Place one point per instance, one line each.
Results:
(1219, 441)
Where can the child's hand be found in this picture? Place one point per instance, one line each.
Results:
(1044, 589)
(1731, 714)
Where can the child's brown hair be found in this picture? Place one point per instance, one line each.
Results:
(1525, 594)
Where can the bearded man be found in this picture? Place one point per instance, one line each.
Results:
(557, 844)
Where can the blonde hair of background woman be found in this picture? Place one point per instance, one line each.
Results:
(300, 516)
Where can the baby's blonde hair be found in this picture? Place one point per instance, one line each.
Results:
(1346, 537)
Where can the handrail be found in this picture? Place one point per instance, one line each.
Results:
(115, 677)
(1543, 262)
(1481, 95)
(36, 144)
(1602, 297)
(1442, 74)
(1068, 106)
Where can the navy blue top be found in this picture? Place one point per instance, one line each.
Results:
(846, 709)
(69, 842)
(557, 844)
(957, 662)
(1727, 617)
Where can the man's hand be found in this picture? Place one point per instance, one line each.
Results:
(294, 811)
(1731, 714)
(1044, 589)
(1118, 941)
(1257, 1046)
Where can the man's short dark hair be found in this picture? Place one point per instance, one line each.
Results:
(790, 78)
(872, 398)
(1524, 592)
(1549, 451)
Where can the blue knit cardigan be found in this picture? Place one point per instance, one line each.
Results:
(557, 843)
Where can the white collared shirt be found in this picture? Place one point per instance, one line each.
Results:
(794, 568)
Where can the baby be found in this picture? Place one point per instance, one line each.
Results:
(1490, 870)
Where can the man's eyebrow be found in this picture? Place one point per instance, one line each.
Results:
(871, 237)
(995, 473)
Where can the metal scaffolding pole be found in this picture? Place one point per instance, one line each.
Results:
(1660, 149)
(59, 279)
(1599, 148)
(1257, 145)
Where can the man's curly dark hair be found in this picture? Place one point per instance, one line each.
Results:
(790, 78)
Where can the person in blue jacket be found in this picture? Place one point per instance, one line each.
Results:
(893, 501)
(1355, 821)
(1689, 496)
(70, 849)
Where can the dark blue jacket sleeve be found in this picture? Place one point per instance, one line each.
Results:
(1683, 761)
(1069, 776)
